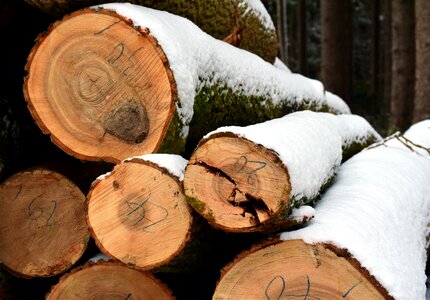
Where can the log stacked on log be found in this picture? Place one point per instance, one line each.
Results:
(83, 83)
(368, 239)
(138, 213)
(43, 231)
(242, 23)
(250, 178)
(107, 280)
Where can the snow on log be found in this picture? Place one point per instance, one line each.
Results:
(107, 280)
(250, 178)
(368, 239)
(123, 80)
(243, 23)
(138, 214)
(43, 230)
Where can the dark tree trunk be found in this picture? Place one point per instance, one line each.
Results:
(302, 37)
(375, 46)
(387, 60)
(336, 47)
(403, 63)
(422, 71)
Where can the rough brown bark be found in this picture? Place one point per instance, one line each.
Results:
(422, 67)
(43, 231)
(336, 47)
(403, 63)
(106, 280)
(296, 269)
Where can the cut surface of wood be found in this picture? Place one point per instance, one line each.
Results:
(295, 269)
(139, 215)
(235, 184)
(42, 223)
(109, 281)
(99, 87)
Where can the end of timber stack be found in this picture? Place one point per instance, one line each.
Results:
(43, 230)
(121, 80)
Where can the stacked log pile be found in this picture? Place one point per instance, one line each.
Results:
(269, 164)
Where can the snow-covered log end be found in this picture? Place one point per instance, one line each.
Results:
(278, 172)
(378, 209)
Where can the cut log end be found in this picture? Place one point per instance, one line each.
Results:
(300, 270)
(235, 184)
(100, 86)
(43, 229)
(109, 281)
(139, 215)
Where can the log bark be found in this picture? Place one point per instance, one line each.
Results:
(249, 179)
(148, 223)
(43, 231)
(297, 269)
(104, 280)
(81, 92)
(242, 24)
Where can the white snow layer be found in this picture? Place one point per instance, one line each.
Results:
(302, 213)
(174, 164)
(308, 143)
(281, 66)
(379, 210)
(256, 7)
(197, 59)
(99, 257)
(336, 103)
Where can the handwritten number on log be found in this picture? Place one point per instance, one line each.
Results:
(107, 28)
(140, 209)
(36, 212)
(350, 290)
(242, 162)
(120, 50)
(274, 280)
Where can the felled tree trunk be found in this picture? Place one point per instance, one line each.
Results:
(43, 231)
(368, 238)
(250, 178)
(242, 23)
(147, 223)
(125, 80)
(107, 280)
(296, 269)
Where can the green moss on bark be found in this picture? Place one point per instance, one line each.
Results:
(218, 18)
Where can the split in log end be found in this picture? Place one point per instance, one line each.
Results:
(236, 185)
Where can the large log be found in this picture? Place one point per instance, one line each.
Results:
(295, 269)
(43, 230)
(107, 280)
(125, 80)
(368, 239)
(250, 178)
(245, 24)
(138, 213)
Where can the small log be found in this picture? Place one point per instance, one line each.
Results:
(138, 213)
(297, 270)
(107, 280)
(108, 84)
(250, 178)
(43, 230)
(242, 23)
